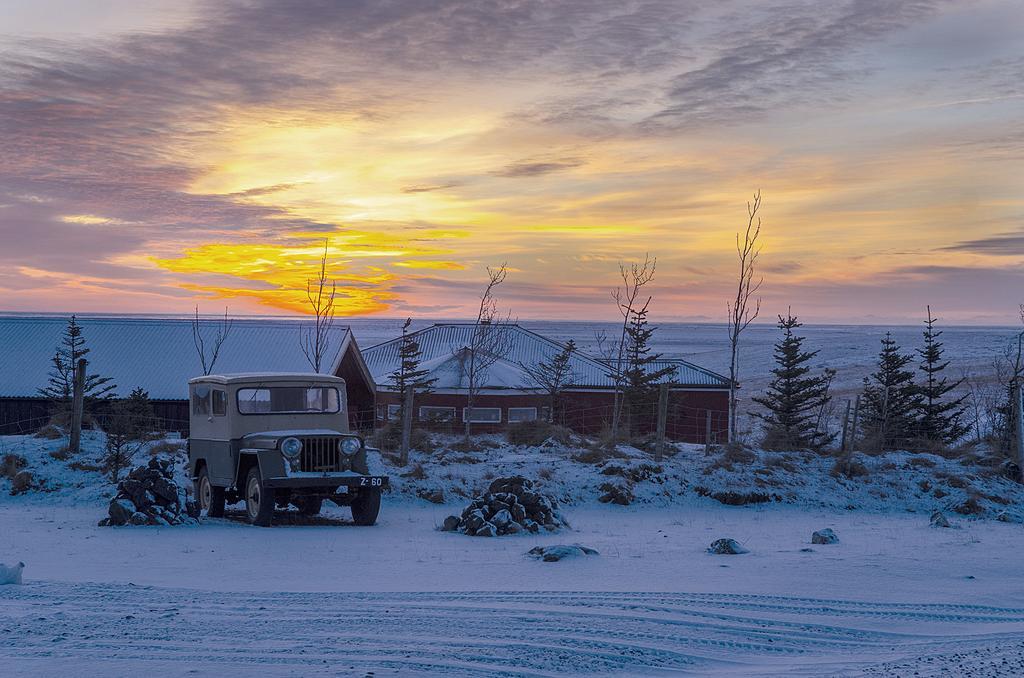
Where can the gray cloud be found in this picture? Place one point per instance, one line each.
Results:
(528, 168)
(1006, 244)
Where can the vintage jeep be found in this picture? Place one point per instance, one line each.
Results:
(274, 440)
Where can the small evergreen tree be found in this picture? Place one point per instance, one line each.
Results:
(795, 399)
(61, 383)
(939, 418)
(128, 428)
(640, 379)
(890, 401)
(553, 376)
(409, 375)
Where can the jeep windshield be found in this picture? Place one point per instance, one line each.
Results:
(289, 400)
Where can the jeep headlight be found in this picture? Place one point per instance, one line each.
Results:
(349, 446)
(291, 447)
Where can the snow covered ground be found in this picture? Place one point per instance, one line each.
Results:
(324, 597)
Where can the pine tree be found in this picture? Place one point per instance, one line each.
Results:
(61, 383)
(640, 380)
(890, 401)
(939, 418)
(795, 399)
(553, 376)
(409, 375)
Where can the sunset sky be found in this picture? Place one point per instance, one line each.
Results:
(158, 155)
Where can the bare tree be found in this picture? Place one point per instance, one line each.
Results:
(553, 375)
(635, 277)
(491, 339)
(316, 340)
(741, 312)
(208, 357)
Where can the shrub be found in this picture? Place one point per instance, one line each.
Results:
(921, 462)
(738, 453)
(970, 507)
(533, 433)
(417, 472)
(389, 438)
(79, 465)
(780, 461)
(848, 467)
(49, 432)
(168, 447)
(730, 498)
(62, 453)
(598, 455)
(545, 473)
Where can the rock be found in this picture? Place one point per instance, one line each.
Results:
(939, 520)
(166, 490)
(502, 518)
(486, 530)
(826, 536)
(138, 518)
(552, 554)
(727, 547)
(121, 510)
(23, 481)
(451, 524)
(435, 496)
(620, 493)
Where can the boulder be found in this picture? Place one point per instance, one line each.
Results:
(121, 510)
(23, 481)
(938, 519)
(502, 518)
(451, 524)
(729, 547)
(826, 536)
(552, 554)
(486, 530)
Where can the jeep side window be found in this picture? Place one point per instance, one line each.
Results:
(220, 403)
(201, 400)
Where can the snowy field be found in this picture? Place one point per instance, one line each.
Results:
(895, 597)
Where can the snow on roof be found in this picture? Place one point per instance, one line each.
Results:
(155, 354)
(262, 377)
(442, 346)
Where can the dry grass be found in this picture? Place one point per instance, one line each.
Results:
(12, 463)
(168, 447)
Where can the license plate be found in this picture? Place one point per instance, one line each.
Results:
(371, 481)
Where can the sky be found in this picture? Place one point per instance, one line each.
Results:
(155, 156)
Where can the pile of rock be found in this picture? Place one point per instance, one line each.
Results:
(149, 496)
(509, 506)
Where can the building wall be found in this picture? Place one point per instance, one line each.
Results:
(587, 412)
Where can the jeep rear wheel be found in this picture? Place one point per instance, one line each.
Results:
(210, 498)
(366, 507)
(259, 503)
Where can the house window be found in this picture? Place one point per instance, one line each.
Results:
(394, 411)
(437, 414)
(201, 400)
(220, 402)
(482, 415)
(522, 414)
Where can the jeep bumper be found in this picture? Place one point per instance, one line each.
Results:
(296, 482)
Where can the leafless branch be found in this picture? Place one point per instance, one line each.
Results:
(746, 306)
(320, 292)
(208, 361)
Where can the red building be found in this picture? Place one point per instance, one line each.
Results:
(507, 393)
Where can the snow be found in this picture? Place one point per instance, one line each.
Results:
(894, 596)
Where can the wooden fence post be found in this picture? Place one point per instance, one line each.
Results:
(407, 425)
(77, 405)
(846, 426)
(662, 421)
(853, 428)
(1018, 424)
(707, 432)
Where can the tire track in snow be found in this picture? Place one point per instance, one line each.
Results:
(486, 633)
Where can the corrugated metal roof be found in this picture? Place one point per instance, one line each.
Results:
(440, 343)
(685, 373)
(158, 355)
(688, 374)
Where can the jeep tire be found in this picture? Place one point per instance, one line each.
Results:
(366, 506)
(209, 496)
(259, 501)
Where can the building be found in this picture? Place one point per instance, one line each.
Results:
(508, 393)
(159, 355)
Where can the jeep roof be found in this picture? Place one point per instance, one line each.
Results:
(266, 377)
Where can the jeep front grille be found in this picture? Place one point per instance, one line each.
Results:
(321, 455)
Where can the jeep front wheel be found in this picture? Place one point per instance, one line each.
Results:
(210, 498)
(366, 507)
(259, 504)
